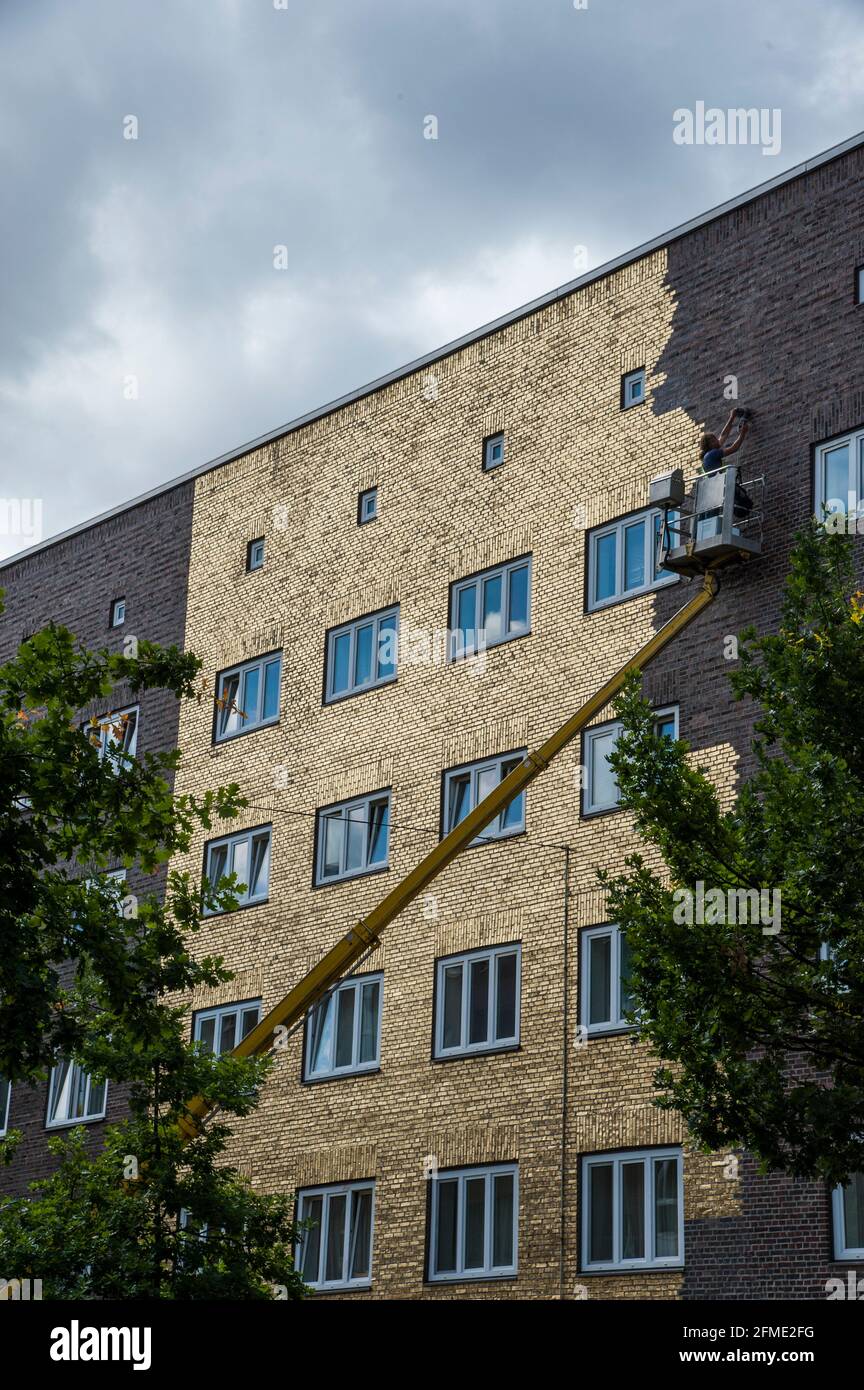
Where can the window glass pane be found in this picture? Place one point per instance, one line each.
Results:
(665, 1207)
(466, 618)
(345, 1027)
(445, 1244)
(518, 609)
(259, 873)
(96, 1100)
(837, 477)
(341, 657)
(853, 1212)
(478, 1002)
(493, 619)
(249, 698)
(604, 783)
(271, 690)
(599, 978)
(227, 1030)
(460, 799)
(634, 556)
(604, 566)
(78, 1093)
(369, 1022)
(240, 862)
(487, 780)
(60, 1077)
(334, 835)
(363, 654)
(658, 526)
(600, 1212)
(513, 815)
(228, 717)
(321, 1047)
(379, 818)
(475, 1223)
(218, 864)
(665, 726)
(248, 1020)
(632, 1211)
(502, 1221)
(387, 647)
(311, 1208)
(335, 1237)
(452, 1024)
(357, 832)
(4, 1102)
(361, 1234)
(505, 996)
(207, 1032)
(625, 999)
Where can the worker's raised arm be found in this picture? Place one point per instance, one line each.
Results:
(724, 433)
(739, 440)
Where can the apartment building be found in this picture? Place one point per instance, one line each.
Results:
(395, 597)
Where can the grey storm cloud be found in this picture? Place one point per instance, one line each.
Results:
(152, 260)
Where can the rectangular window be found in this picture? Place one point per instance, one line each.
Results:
(247, 697)
(335, 1251)
(74, 1096)
(491, 608)
(600, 785)
(493, 451)
(477, 1001)
(5, 1095)
(632, 388)
(632, 1210)
(622, 559)
(247, 856)
(362, 654)
(474, 1220)
(604, 970)
(367, 506)
(220, 1030)
(118, 612)
(848, 1204)
(465, 787)
(353, 838)
(343, 1035)
(255, 554)
(859, 284)
(115, 735)
(840, 475)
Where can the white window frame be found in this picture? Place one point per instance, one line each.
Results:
(356, 984)
(489, 1271)
(342, 810)
(255, 553)
(118, 607)
(490, 443)
(104, 729)
(618, 1158)
(649, 516)
(223, 1011)
(465, 959)
(331, 696)
(228, 722)
(842, 1251)
(640, 375)
(458, 649)
(89, 1117)
(496, 829)
(616, 1023)
(853, 501)
(367, 506)
(305, 1196)
(6, 1105)
(611, 727)
(230, 842)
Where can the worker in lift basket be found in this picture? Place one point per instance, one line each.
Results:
(715, 451)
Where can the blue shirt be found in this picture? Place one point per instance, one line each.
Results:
(713, 460)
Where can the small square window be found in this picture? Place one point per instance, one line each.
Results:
(859, 284)
(632, 388)
(255, 554)
(493, 451)
(367, 506)
(118, 612)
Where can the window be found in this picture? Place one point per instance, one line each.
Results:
(490, 608)
(5, 1095)
(604, 972)
(343, 1035)
(848, 1204)
(247, 697)
(336, 1251)
(465, 787)
(600, 791)
(115, 734)
(362, 654)
(622, 559)
(220, 1030)
(632, 388)
(840, 474)
(477, 1001)
(859, 284)
(74, 1096)
(632, 1210)
(474, 1215)
(367, 506)
(118, 612)
(247, 856)
(493, 451)
(255, 554)
(352, 838)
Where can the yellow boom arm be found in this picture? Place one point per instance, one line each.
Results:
(364, 935)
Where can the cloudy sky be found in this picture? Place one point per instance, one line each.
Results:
(145, 327)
